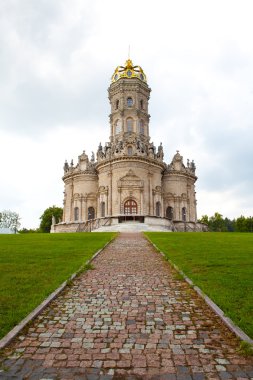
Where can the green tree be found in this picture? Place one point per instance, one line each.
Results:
(244, 224)
(216, 223)
(250, 224)
(29, 231)
(9, 219)
(46, 218)
(204, 219)
(241, 224)
(229, 225)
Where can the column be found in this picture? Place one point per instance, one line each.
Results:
(110, 193)
(119, 190)
(153, 203)
(81, 208)
(98, 206)
(162, 207)
(149, 194)
(177, 211)
(141, 204)
(85, 208)
(106, 201)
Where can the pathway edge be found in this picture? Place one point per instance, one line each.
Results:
(218, 311)
(5, 341)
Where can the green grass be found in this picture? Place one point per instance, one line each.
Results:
(34, 265)
(221, 264)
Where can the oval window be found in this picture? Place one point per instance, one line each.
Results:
(129, 102)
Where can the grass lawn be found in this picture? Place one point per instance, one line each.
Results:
(33, 265)
(221, 264)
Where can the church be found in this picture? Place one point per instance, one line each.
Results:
(128, 180)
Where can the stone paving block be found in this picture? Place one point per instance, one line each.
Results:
(129, 318)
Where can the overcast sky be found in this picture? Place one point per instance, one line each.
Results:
(56, 61)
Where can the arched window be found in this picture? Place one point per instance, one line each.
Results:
(130, 124)
(169, 213)
(91, 213)
(76, 213)
(141, 104)
(118, 125)
(141, 127)
(129, 101)
(102, 209)
(184, 214)
(117, 104)
(130, 207)
(158, 208)
(129, 150)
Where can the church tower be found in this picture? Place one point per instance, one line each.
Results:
(129, 106)
(129, 160)
(128, 179)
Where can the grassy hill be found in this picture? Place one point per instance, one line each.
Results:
(33, 265)
(221, 264)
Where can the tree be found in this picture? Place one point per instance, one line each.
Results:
(29, 231)
(250, 224)
(204, 219)
(229, 225)
(216, 223)
(9, 219)
(46, 218)
(244, 224)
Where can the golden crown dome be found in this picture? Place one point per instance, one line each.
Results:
(128, 71)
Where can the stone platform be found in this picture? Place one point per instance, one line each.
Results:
(131, 317)
(131, 227)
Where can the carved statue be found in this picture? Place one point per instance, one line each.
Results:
(160, 152)
(193, 166)
(66, 166)
(108, 150)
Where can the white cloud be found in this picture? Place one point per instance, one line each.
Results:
(55, 67)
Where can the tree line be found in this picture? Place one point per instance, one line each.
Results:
(219, 224)
(216, 223)
(11, 220)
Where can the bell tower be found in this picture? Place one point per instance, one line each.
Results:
(129, 119)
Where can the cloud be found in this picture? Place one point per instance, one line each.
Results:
(55, 67)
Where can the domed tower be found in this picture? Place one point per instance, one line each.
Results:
(128, 166)
(129, 118)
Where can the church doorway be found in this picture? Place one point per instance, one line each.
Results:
(91, 213)
(130, 207)
(169, 213)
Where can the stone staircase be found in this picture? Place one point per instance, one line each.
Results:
(131, 227)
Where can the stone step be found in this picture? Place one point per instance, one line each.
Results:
(131, 227)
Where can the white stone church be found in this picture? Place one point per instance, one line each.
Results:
(129, 181)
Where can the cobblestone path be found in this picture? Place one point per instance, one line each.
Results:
(131, 317)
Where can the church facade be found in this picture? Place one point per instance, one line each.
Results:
(129, 180)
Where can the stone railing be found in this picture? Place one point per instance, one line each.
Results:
(93, 224)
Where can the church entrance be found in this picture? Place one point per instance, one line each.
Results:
(130, 207)
(130, 213)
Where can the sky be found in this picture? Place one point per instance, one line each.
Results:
(56, 61)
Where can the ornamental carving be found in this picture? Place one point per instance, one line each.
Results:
(130, 180)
